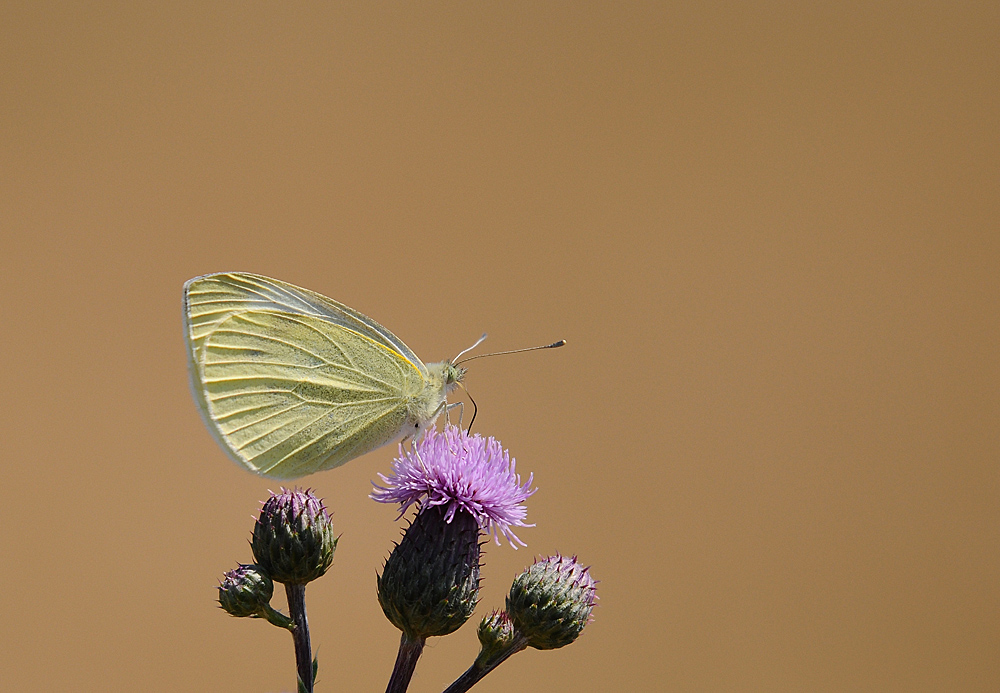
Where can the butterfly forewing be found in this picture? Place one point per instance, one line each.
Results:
(212, 299)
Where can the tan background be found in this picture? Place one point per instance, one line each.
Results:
(769, 234)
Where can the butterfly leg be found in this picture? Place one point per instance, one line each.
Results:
(461, 412)
(413, 450)
(420, 460)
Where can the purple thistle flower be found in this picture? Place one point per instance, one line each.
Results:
(460, 472)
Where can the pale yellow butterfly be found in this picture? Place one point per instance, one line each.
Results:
(291, 382)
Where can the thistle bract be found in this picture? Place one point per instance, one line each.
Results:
(551, 602)
(430, 584)
(293, 537)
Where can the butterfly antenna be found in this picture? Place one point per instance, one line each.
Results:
(466, 351)
(560, 343)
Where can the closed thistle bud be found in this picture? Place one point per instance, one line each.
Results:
(551, 601)
(245, 591)
(293, 537)
(430, 584)
(496, 636)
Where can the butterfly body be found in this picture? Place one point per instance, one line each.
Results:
(291, 382)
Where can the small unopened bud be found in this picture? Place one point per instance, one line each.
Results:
(245, 591)
(293, 537)
(430, 584)
(551, 602)
(496, 635)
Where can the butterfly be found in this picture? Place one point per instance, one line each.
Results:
(291, 382)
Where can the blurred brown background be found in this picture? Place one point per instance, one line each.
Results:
(768, 233)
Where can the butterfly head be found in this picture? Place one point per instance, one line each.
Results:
(453, 375)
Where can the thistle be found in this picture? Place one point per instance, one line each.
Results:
(293, 543)
(293, 537)
(551, 602)
(464, 486)
(548, 606)
(246, 591)
(496, 637)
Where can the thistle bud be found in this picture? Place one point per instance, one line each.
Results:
(245, 591)
(496, 636)
(430, 584)
(293, 537)
(551, 602)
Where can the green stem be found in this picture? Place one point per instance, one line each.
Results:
(479, 669)
(406, 662)
(275, 617)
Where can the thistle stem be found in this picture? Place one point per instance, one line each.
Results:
(275, 618)
(479, 669)
(406, 662)
(300, 634)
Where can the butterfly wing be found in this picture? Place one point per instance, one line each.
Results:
(294, 387)
(211, 299)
